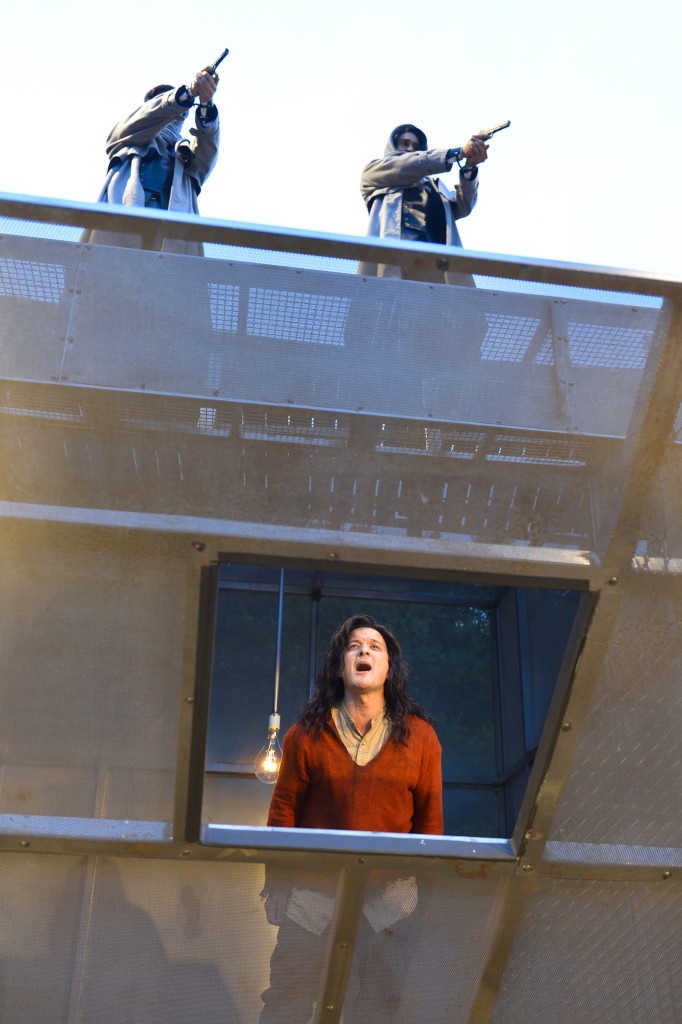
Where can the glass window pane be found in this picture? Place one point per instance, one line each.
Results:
(471, 812)
(243, 675)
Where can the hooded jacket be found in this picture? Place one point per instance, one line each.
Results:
(156, 122)
(384, 179)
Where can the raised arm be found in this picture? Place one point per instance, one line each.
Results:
(401, 170)
(138, 130)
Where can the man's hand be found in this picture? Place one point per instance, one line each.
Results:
(275, 907)
(475, 150)
(204, 85)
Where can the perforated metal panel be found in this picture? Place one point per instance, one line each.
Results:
(317, 401)
(623, 785)
(92, 653)
(593, 950)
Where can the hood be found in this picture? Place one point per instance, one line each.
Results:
(390, 145)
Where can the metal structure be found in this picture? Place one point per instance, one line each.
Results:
(158, 411)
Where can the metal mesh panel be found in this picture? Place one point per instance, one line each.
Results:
(180, 941)
(623, 787)
(41, 282)
(659, 548)
(155, 346)
(37, 290)
(507, 338)
(594, 951)
(42, 908)
(317, 319)
(91, 642)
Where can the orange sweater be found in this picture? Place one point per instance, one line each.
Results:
(320, 786)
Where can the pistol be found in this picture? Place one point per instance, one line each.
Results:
(488, 133)
(211, 67)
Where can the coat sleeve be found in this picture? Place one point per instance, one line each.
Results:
(292, 783)
(428, 793)
(138, 130)
(401, 170)
(463, 199)
(204, 148)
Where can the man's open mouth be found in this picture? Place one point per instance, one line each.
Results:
(364, 666)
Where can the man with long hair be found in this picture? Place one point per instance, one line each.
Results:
(364, 756)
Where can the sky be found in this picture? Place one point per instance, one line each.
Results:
(588, 172)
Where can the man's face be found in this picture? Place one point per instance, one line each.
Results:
(407, 143)
(365, 662)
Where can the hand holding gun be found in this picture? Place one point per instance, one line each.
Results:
(212, 67)
(475, 151)
(205, 82)
(487, 133)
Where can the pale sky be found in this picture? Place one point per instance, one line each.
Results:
(588, 172)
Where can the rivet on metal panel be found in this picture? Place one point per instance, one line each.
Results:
(198, 545)
(613, 580)
(527, 867)
(667, 874)
(343, 945)
(190, 700)
(361, 860)
(186, 853)
(331, 556)
(567, 726)
(23, 842)
(329, 1008)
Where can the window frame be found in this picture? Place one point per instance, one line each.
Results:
(509, 807)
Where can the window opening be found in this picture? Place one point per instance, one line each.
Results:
(483, 661)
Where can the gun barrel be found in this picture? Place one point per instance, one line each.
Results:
(212, 67)
(498, 128)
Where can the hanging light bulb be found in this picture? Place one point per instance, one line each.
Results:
(268, 759)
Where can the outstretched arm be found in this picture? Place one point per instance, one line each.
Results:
(401, 170)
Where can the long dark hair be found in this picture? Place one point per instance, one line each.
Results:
(328, 690)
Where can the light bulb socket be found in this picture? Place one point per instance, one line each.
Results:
(274, 722)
